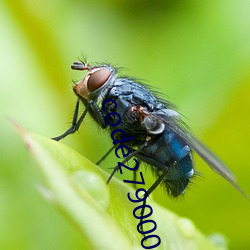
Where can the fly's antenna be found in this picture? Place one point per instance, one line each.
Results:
(80, 66)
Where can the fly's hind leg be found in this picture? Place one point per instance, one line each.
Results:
(149, 191)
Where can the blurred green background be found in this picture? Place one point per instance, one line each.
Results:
(195, 52)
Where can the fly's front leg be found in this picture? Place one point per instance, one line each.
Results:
(98, 114)
(75, 124)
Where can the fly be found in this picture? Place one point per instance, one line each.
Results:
(161, 139)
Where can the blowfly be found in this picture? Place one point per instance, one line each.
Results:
(161, 139)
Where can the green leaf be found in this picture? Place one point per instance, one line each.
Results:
(103, 214)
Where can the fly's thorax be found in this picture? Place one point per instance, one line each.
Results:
(94, 85)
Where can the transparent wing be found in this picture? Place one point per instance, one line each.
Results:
(175, 124)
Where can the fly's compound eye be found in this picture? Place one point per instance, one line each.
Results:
(97, 79)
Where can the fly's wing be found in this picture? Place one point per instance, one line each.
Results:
(212, 160)
(175, 124)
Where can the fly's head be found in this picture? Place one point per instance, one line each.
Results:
(96, 79)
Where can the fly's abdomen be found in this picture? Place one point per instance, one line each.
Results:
(180, 166)
(171, 155)
(178, 176)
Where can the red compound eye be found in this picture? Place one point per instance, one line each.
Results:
(97, 79)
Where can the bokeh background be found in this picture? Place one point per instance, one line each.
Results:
(195, 52)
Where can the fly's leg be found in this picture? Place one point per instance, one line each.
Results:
(98, 114)
(125, 160)
(149, 191)
(110, 150)
(134, 178)
(75, 124)
(134, 174)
